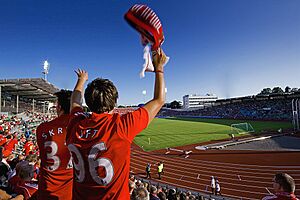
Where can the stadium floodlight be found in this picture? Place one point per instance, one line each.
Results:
(46, 67)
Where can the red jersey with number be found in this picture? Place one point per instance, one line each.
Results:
(56, 173)
(100, 147)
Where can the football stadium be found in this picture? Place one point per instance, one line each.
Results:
(83, 129)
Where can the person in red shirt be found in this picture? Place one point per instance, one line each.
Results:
(10, 144)
(24, 185)
(100, 142)
(56, 171)
(284, 187)
(28, 147)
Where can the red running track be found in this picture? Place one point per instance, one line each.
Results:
(242, 174)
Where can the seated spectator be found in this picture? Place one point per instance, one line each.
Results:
(25, 186)
(284, 187)
(153, 193)
(34, 160)
(131, 187)
(162, 196)
(140, 194)
(172, 194)
(4, 170)
(15, 179)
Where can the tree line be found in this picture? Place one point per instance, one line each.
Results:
(279, 90)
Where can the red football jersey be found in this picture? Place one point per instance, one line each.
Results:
(28, 147)
(10, 145)
(56, 172)
(100, 147)
(26, 189)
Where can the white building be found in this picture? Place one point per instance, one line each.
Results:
(197, 101)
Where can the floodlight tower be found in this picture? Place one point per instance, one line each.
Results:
(46, 69)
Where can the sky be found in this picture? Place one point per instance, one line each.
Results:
(229, 48)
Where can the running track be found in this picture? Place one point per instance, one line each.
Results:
(242, 174)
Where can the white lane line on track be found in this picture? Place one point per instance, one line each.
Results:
(192, 161)
(233, 184)
(212, 168)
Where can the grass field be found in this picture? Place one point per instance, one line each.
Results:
(174, 132)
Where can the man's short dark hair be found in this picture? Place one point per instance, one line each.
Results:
(101, 95)
(153, 189)
(64, 98)
(286, 182)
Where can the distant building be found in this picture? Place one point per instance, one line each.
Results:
(197, 101)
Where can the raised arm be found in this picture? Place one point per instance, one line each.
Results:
(77, 94)
(153, 106)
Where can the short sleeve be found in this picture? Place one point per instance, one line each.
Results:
(133, 123)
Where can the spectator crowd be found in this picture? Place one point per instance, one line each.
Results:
(274, 109)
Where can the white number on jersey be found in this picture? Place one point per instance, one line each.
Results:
(93, 164)
(52, 156)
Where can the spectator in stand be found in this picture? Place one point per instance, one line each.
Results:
(56, 172)
(25, 186)
(213, 185)
(100, 141)
(28, 147)
(140, 194)
(15, 179)
(284, 188)
(172, 194)
(10, 145)
(33, 159)
(131, 187)
(4, 170)
(162, 195)
(153, 193)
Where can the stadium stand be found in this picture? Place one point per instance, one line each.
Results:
(19, 95)
(254, 108)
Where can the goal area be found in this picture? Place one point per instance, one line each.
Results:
(241, 128)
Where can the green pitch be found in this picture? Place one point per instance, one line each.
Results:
(172, 132)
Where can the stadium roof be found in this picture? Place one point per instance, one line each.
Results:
(30, 88)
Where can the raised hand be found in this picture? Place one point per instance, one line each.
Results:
(82, 74)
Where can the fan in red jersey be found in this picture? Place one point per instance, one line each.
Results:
(23, 183)
(56, 173)
(28, 147)
(10, 145)
(100, 142)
